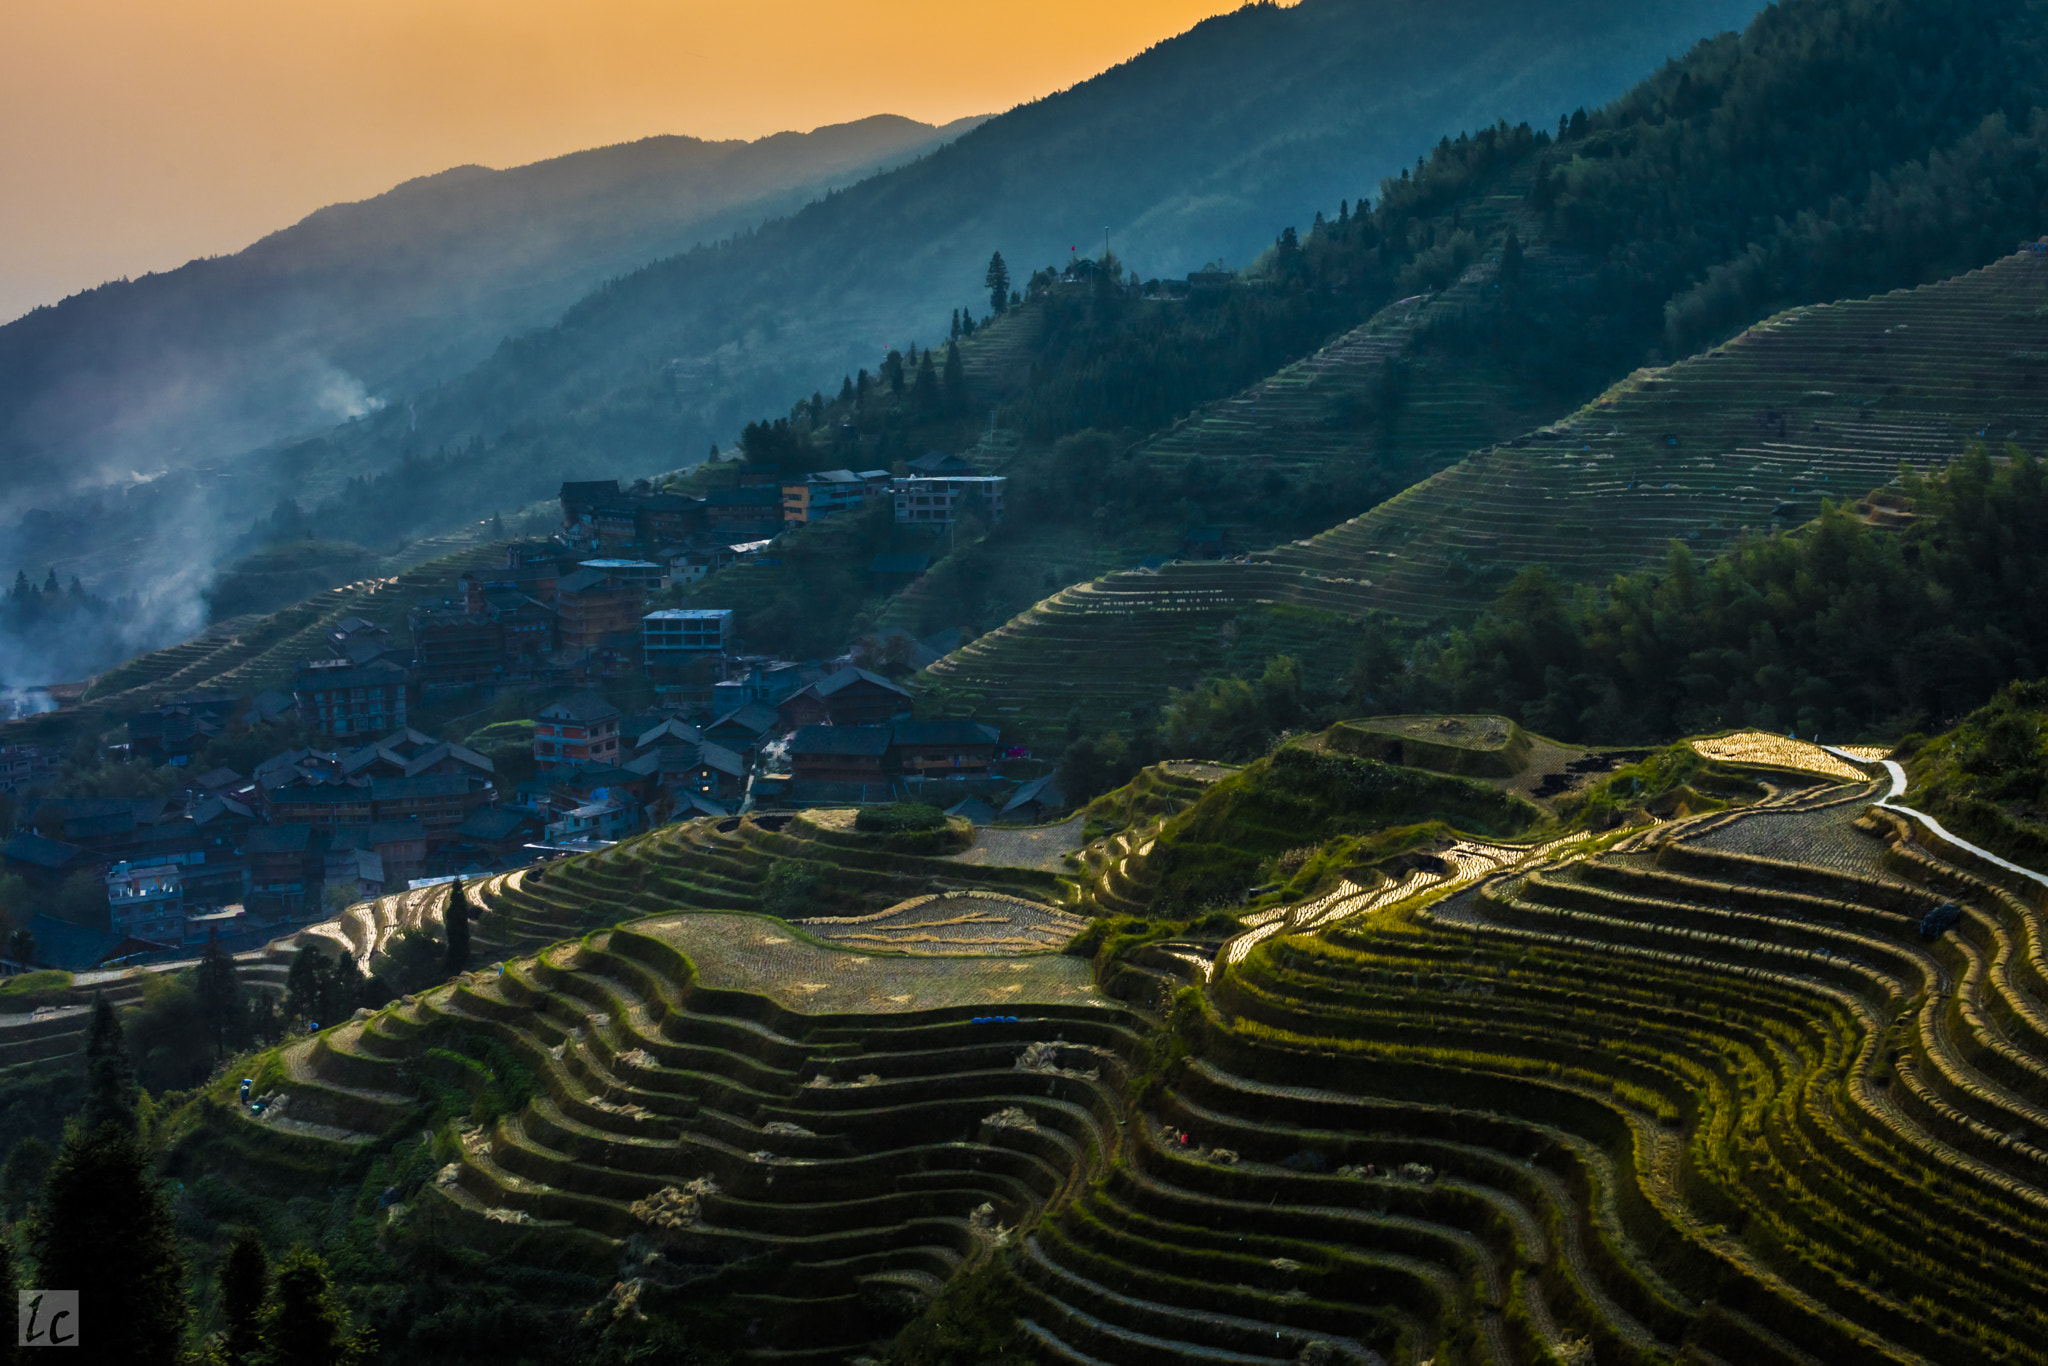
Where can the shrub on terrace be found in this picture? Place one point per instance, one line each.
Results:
(899, 817)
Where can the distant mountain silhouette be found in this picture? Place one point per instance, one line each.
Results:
(309, 325)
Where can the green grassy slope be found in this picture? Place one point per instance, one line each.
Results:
(1822, 402)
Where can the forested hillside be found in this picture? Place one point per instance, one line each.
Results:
(1191, 152)
(1762, 171)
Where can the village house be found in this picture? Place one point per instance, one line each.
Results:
(285, 865)
(580, 729)
(674, 636)
(580, 501)
(536, 581)
(494, 834)
(147, 903)
(439, 802)
(935, 463)
(361, 871)
(337, 697)
(757, 509)
(607, 817)
(850, 697)
(704, 768)
(1036, 801)
(841, 754)
(409, 753)
(746, 727)
(400, 846)
(454, 646)
(940, 501)
(598, 618)
(762, 680)
(819, 495)
(950, 747)
(22, 766)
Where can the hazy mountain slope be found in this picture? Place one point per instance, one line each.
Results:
(322, 320)
(1201, 148)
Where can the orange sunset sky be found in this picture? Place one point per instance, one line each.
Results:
(137, 134)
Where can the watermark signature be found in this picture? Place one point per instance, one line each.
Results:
(46, 1318)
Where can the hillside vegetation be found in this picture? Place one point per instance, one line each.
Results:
(1905, 611)
(1702, 1089)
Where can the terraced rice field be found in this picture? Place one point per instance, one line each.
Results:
(747, 953)
(1044, 847)
(1668, 1101)
(712, 864)
(1693, 1092)
(953, 923)
(1825, 401)
(714, 1089)
(1763, 749)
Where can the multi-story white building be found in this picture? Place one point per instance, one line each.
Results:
(938, 498)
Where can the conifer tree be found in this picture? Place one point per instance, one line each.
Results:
(10, 1294)
(846, 389)
(927, 395)
(998, 282)
(956, 324)
(220, 998)
(22, 1176)
(110, 1088)
(956, 380)
(302, 986)
(244, 1284)
(104, 1228)
(305, 1323)
(455, 924)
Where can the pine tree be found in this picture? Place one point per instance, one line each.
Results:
(1511, 255)
(846, 389)
(955, 380)
(50, 585)
(956, 324)
(302, 986)
(927, 395)
(892, 370)
(220, 998)
(10, 1294)
(998, 282)
(110, 1088)
(244, 1283)
(455, 925)
(264, 1023)
(22, 1176)
(105, 1227)
(306, 1324)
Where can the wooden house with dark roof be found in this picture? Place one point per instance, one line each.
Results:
(841, 754)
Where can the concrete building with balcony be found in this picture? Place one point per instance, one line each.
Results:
(678, 635)
(940, 499)
(147, 903)
(339, 697)
(579, 730)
